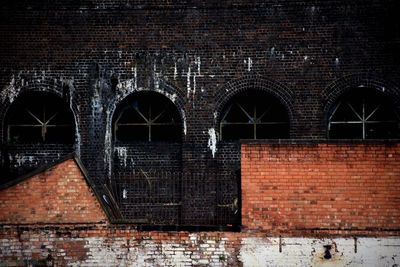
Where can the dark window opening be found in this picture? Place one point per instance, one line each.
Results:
(254, 115)
(147, 117)
(363, 114)
(40, 118)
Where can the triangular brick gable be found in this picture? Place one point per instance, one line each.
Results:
(59, 194)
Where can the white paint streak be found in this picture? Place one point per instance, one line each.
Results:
(71, 89)
(249, 63)
(175, 71)
(194, 84)
(108, 143)
(135, 77)
(212, 141)
(188, 88)
(124, 194)
(184, 121)
(122, 154)
(197, 61)
(156, 77)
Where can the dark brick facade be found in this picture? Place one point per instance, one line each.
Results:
(199, 55)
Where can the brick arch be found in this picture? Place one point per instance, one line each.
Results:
(48, 85)
(127, 89)
(234, 87)
(169, 91)
(338, 88)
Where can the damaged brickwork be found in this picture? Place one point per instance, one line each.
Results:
(43, 219)
(96, 246)
(332, 202)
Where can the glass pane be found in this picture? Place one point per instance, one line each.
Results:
(345, 113)
(30, 111)
(130, 115)
(25, 134)
(130, 133)
(63, 135)
(274, 131)
(21, 116)
(236, 132)
(346, 131)
(236, 114)
(383, 113)
(165, 133)
(153, 108)
(382, 130)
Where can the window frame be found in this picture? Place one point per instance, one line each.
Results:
(253, 118)
(41, 118)
(369, 94)
(148, 120)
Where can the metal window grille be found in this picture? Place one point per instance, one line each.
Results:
(175, 198)
(363, 114)
(147, 117)
(254, 115)
(40, 118)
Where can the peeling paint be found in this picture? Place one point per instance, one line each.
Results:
(20, 160)
(212, 141)
(257, 251)
(10, 92)
(172, 97)
(127, 86)
(199, 249)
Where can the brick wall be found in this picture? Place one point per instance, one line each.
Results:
(202, 53)
(54, 216)
(300, 187)
(123, 246)
(57, 195)
(199, 54)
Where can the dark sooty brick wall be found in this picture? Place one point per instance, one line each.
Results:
(199, 55)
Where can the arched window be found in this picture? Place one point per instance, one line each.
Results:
(147, 116)
(363, 113)
(39, 118)
(254, 115)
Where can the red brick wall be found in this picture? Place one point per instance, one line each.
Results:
(325, 186)
(57, 195)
